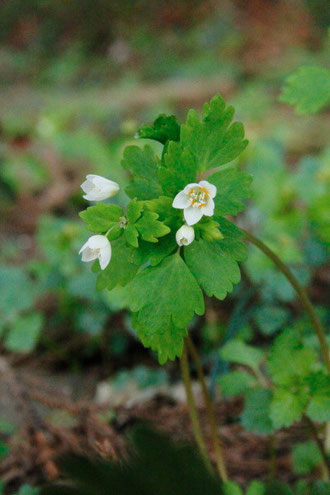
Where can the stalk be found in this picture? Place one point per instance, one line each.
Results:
(196, 427)
(209, 411)
(320, 332)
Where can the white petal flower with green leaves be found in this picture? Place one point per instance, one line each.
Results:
(185, 235)
(98, 188)
(97, 247)
(196, 200)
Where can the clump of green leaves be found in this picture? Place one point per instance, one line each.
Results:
(279, 388)
(308, 89)
(165, 285)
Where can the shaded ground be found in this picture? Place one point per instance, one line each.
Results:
(54, 423)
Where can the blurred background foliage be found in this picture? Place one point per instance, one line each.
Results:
(77, 79)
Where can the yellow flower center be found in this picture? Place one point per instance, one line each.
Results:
(198, 197)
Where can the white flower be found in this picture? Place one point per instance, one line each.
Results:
(196, 200)
(185, 235)
(97, 247)
(98, 188)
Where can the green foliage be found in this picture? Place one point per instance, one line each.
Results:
(214, 264)
(308, 89)
(165, 128)
(234, 187)
(101, 217)
(179, 169)
(287, 406)
(150, 228)
(236, 383)
(20, 292)
(164, 290)
(231, 488)
(24, 333)
(270, 318)
(236, 351)
(305, 457)
(143, 166)
(166, 297)
(212, 141)
(256, 413)
(319, 405)
(121, 272)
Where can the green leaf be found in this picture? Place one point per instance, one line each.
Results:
(179, 170)
(154, 253)
(305, 457)
(256, 488)
(150, 228)
(143, 166)
(287, 406)
(133, 213)
(256, 413)
(4, 449)
(19, 293)
(28, 490)
(215, 270)
(289, 359)
(121, 269)
(308, 89)
(233, 188)
(236, 383)
(278, 488)
(101, 217)
(319, 406)
(236, 351)
(270, 318)
(23, 335)
(134, 210)
(166, 297)
(165, 128)
(231, 488)
(212, 140)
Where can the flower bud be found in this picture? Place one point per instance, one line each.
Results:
(185, 235)
(97, 247)
(98, 188)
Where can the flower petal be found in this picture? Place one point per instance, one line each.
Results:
(88, 255)
(192, 215)
(181, 201)
(105, 256)
(211, 189)
(188, 187)
(208, 209)
(98, 241)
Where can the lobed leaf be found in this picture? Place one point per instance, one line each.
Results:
(213, 140)
(101, 217)
(179, 169)
(150, 228)
(166, 297)
(165, 128)
(143, 166)
(121, 270)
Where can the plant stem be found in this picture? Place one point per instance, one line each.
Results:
(301, 293)
(315, 435)
(210, 412)
(192, 408)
